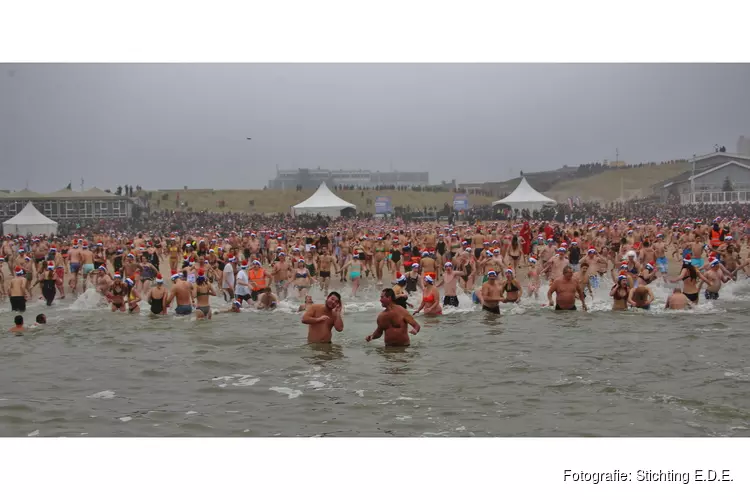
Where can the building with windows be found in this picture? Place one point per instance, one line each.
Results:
(717, 178)
(309, 178)
(68, 204)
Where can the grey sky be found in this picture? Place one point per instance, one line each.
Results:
(164, 126)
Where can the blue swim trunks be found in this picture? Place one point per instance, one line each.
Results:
(698, 263)
(662, 264)
(594, 281)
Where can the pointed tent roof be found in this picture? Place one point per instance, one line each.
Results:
(524, 193)
(30, 215)
(324, 198)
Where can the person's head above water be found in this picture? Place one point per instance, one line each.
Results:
(41, 319)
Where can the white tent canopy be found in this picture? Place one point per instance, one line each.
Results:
(30, 220)
(322, 202)
(525, 197)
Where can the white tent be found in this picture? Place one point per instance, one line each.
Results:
(30, 220)
(525, 197)
(322, 202)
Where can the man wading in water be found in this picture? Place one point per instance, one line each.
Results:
(566, 289)
(393, 322)
(322, 318)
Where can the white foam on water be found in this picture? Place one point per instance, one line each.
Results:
(461, 429)
(91, 300)
(246, 382)
(191, 413)
(360, 393)
(126, 419)
(102, 395)
(34, 433)
(315, 384)
(403, 417)
(292, 393)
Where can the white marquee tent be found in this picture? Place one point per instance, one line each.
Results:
(322, 202)
(525, 197)
(30, 220)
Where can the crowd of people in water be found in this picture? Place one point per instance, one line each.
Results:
(255, 261)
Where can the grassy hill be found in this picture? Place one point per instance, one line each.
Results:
(607, 186)
(272, 201)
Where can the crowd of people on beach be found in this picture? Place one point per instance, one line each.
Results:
(256, 261)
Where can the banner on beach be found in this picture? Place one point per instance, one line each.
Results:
(460, 202)
(383, 205)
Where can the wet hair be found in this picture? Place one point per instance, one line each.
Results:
(514, 242)
(41, 319)
(335, 294)
(567, 268)
(389, 293)
(691, 270)
(18, 320)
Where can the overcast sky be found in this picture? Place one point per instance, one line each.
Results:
(165, 126)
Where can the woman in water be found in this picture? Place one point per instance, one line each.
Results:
(133, 297)
(620, 292)
(511, 287)
(689, 276)
(430, 299)
(117, 293)
(302, 278)
(203, 290)
(157, 297)
(354, 267)
(515, 252)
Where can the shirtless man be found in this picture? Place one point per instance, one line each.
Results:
(714, 277)
(280, 274)
(182, 291)
(17, 291)
(393, 322)
(450, 283)
(555, 266)
(491, 294)
(102, 280)
(641, 297)
(677, 301)
(269, 300)
(660, 253)
(325, 263)
(322, 318)
(87, 263)
(566, 289)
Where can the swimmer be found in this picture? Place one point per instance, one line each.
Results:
(17, 291)
(450, 281)
(236, 307)
(566, 289)
(393, 322)
(157, 297)
(491, 294)
(201, 294)
(18, 327)
(41, 319)
(182, 292)
(322, 318)
(308, 302)
(511, 287)
(133, 297)
(678, 301)
(641, 297)
(430, 298)
(268, 300)
(116, 295)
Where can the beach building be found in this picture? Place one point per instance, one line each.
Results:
(715, 178)
(68, 204)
